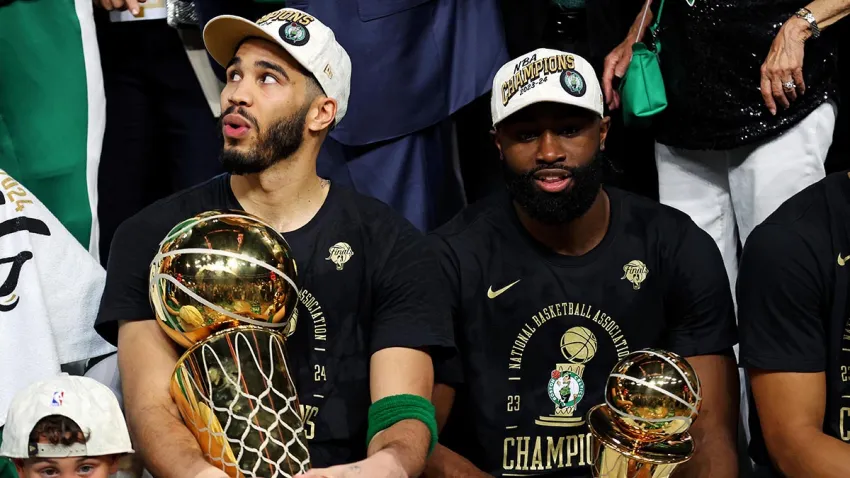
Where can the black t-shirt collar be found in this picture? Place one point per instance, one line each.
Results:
(553, 257)
(233, 203)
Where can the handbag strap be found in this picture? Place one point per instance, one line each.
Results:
(654, 25)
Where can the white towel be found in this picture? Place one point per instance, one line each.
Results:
(50, 288)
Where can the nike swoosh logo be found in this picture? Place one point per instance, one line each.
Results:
(842, 260)
(491, 294)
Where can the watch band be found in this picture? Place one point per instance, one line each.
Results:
(807, 15)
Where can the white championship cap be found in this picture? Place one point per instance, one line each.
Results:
(545, 75)
(308, 40)
(90, 404)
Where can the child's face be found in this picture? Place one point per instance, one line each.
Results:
(72, 467)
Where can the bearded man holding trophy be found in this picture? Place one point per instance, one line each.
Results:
(557, 281)
(270, 323)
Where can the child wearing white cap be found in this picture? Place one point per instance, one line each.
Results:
(66, 426)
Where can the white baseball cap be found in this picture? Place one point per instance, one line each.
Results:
(90, 404)
(545, 75)
(308, 40)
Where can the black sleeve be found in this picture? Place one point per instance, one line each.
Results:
(780, 300)
(409, 311)
(449, 370)
(699, 301)
(125, 295)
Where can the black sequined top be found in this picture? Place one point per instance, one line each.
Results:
(711, 54)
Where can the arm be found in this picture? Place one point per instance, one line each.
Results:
(827, 12)
(784, 62)
(783, 346)
(618, 60)
(146, 359)
(702, 318)
(715, 427)
(445, 463)
(396, 371)
(795, 441)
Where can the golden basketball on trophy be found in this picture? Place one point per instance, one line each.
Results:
(224, 285)
(652, 398)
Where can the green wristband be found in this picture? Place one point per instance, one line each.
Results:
(388, 411)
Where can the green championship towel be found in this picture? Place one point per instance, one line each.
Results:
(52, 108)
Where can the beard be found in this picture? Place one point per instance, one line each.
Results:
(561, 207)
(280, 141)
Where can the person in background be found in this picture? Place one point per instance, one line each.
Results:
(65, 427)
(795, 333)
(160, 131)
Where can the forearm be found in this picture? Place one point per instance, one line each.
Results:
(639, 26)
(806, 453)
(827, 12)
(445, 463)
(407, 441)
(167, 448)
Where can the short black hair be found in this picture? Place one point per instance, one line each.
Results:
(57, 430)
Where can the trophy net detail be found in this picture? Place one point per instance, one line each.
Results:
(236, 394)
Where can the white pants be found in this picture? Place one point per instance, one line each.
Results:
(728, 193)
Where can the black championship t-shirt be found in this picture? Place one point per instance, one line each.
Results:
(382, 296)
(538, 333)
(792, 298)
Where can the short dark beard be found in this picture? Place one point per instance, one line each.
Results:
(557, 208)
(280, 141)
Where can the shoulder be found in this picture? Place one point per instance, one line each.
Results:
(374, 218)
(477, 221)
(806, 218)
(650, 214)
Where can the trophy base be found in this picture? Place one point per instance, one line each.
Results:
(604, 428)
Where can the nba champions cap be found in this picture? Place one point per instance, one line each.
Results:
(545, 75)
(308, 40)
(90, 404)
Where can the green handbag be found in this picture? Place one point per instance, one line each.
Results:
(642, 89)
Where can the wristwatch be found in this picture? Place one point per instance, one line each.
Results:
(806, 15)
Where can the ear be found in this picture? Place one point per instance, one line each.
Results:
(322, 114)
(604, 126)
(19, 465)
(116, 462)
(498, 142)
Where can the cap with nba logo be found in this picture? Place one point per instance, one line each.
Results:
(545, 75)
(308, 40)
(90, 404)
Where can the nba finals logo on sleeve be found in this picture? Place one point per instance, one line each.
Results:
(573, 83)
(340, 253)
(529, 72)
(566, 386)
(635, 272)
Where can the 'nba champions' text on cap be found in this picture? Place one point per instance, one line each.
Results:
(545, 75)
(309, 41)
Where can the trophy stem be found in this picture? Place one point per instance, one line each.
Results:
(235, 392)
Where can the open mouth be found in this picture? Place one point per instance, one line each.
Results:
(235, 126)
(553, 180)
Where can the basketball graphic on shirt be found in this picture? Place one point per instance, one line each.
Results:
(578, 345)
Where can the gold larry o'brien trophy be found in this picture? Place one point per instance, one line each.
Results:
(641, 431)
(223, 286)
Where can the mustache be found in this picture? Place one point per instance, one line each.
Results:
(241, 112)
(562, 166)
